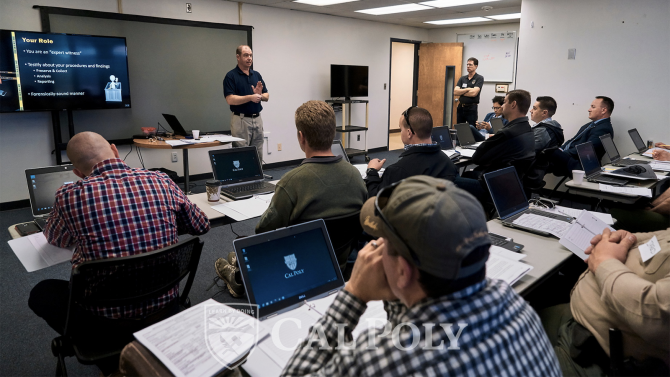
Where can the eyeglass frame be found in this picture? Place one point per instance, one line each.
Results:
(493, 107)
(380, 214)
(406, 115)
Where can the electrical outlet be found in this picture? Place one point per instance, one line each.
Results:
(175, 157)
(279, 147)
(358, 137)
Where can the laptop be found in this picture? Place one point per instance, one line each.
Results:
(510, 200)
(613, 153)
(240, 172)
(175, 125)
(441, 136)
(637, 140)
(465, 137)
(338, 150)
(42, 186)
(593, 172)
(284, 268)
(496, 124)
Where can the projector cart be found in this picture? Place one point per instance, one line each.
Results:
(347, 128)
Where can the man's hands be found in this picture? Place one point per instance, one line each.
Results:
(661, 155)
(609, 246)
(661, 145)
(368, 280)
(376, 163)
(483, 125)
(258, 93)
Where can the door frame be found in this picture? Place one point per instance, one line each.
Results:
(415, 80)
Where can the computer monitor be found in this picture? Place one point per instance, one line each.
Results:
(637, 140)
(506, 191)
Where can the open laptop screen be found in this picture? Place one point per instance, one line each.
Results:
(287, 266)
(175, 125)
(506, 191)
(43, 184)
(236, 165)
(464, 133)
(588, 158)
(637, 140)
(440, 135)
(610, 147)
(338, 150)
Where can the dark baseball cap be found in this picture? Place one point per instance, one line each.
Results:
(431, 223)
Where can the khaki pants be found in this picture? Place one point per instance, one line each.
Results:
(249, 129)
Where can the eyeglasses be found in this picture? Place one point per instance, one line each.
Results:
(406, 115)
(497, 107)
(383, 196)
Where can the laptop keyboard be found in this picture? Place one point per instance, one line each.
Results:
(599, 177)
(630, 162)
(537, 212)
(256, 186)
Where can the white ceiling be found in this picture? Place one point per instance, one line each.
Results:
(415, 19)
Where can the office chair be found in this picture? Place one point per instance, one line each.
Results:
(630, 367)
(117, 282)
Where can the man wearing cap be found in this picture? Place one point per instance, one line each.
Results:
(444, 315)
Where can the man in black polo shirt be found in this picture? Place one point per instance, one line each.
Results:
(468, 88)
(244, 90)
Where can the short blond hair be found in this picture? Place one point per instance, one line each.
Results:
(316, 121)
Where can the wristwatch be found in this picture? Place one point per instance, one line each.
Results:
(372, 171)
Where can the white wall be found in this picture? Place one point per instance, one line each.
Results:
(293, 50)
(449, 35)
(623, 50)
(402, 80)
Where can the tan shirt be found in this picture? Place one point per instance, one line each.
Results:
(633, 297)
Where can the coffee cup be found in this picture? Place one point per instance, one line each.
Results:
(578, 176)
(196, 134)
(213, 188)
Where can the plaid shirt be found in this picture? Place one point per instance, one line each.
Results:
(117, 211)
(503, 337)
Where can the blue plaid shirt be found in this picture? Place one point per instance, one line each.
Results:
(408, 146)
(501, 336)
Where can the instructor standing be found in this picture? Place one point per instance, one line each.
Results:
(244, 90)
(468, 88)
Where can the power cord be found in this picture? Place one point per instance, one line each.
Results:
(130, 151)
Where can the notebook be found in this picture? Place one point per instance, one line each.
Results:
(496, 124)
(511, 202)
(240, 172)
(338, 150)
(593, 172)
(284, 268)
(637, 140)
(42, 186)
(613, 153)
(175, 125)
(465, 137)
(441, 136)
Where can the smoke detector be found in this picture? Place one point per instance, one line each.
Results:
(487, 8)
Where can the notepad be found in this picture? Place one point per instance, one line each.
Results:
(35, 253)
(245, 209)
(639, 191)
(578, 238)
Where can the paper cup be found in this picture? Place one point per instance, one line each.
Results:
(578, 176)
(213, 188)
(196, 134)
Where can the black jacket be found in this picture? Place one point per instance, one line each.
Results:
(590, 132)
(420, 160)
(515, 142)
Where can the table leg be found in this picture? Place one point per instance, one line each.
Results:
(187, 189)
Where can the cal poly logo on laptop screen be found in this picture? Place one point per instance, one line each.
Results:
(236, 164)
(292, 263)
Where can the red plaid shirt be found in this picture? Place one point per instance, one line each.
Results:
(117, 211)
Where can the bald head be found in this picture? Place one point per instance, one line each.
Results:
(86, 149)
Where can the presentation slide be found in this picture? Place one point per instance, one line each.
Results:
(44, 71)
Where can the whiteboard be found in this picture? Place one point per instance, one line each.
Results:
(496, 53)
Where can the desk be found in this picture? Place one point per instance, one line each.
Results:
(147, 143)
(215, 217)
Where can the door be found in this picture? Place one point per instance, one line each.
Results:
(433, 60)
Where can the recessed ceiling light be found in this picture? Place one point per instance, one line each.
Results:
(321, 3)
(510, 16)
(454, 3)
(394, 9)
(458, 21)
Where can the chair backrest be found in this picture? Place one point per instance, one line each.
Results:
(115, 282)
(344, 232)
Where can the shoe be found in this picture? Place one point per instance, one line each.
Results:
(232, 260)
(227, 273)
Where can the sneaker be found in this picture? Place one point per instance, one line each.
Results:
(232, 260)
(227, 273)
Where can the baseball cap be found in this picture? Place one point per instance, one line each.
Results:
(430, 222)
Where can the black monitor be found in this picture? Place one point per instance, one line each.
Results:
(440, 135)
(48, 71)
(348, 81)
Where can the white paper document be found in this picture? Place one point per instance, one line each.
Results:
(509, 254)
(508, 270)
(202, 340)
(578, 238)
(451, 153)
(245, 209)
(221, 138)
(467, 152)
(660, 165)
(639, 191)
(649, 152)
(649, 249)
(35, 253)
(545, 224)
(605, 217)
(363, 169)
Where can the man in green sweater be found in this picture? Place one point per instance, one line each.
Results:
(323, 185)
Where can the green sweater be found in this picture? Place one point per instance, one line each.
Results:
(320, 187)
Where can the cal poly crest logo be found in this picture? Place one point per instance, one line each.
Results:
(290, 261)
(231, 331)
(236, 164)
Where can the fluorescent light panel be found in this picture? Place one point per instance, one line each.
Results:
(454, 3)
(510, 16)
(394, 9)
(321, 3)
(458, 21)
